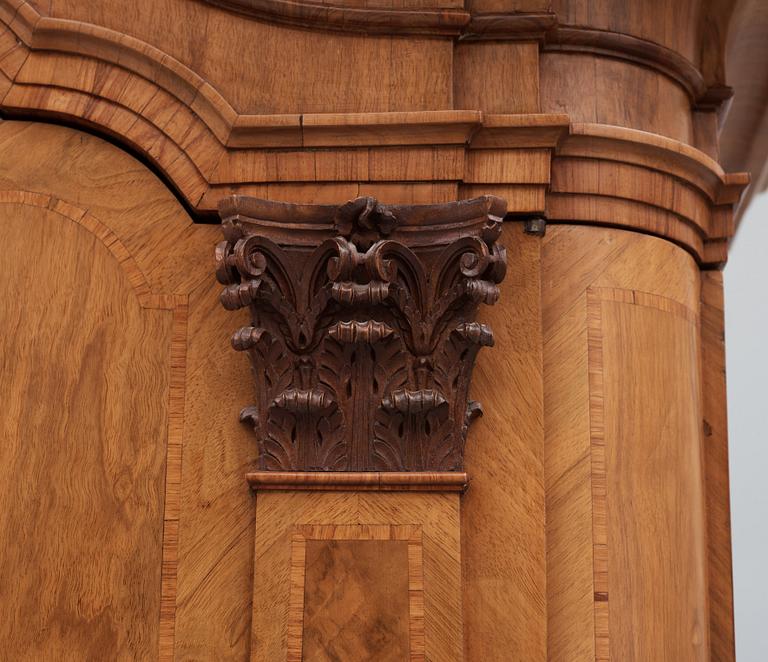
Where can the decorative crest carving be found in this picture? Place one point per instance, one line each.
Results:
(362, 337)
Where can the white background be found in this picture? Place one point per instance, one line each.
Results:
(746, 337)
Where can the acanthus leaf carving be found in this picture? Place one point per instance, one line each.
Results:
(363, 335)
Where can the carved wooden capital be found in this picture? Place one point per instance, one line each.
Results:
(363, 334)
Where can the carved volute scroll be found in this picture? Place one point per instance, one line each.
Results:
(363, 335)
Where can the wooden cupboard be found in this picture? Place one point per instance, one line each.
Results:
(595, 525)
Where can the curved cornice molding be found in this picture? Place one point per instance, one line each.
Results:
(553, 36)
(41, 32)
(91, 76)
(639, 51)
(543, 27)
(665, 187)
(650, 150)
(406, 21)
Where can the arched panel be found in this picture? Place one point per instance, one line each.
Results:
(85, 385)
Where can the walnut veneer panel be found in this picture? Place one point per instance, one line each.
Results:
(356, 600)
(626, 542)
(86, 384)
(118, 190)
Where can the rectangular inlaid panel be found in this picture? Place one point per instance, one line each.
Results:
(647, 482)
(355, 600)
(343, 599)
(357, 576)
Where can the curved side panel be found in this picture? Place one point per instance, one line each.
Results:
(623, 452)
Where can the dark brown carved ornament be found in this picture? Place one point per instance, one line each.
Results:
(362, 337)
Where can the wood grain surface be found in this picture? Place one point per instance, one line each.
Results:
(715, 424)
(100, 206)
(596, 524)
(503, 518)
(287, 521)
(620, 341)
(356, 600)
(647, 482)
(82, 472)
